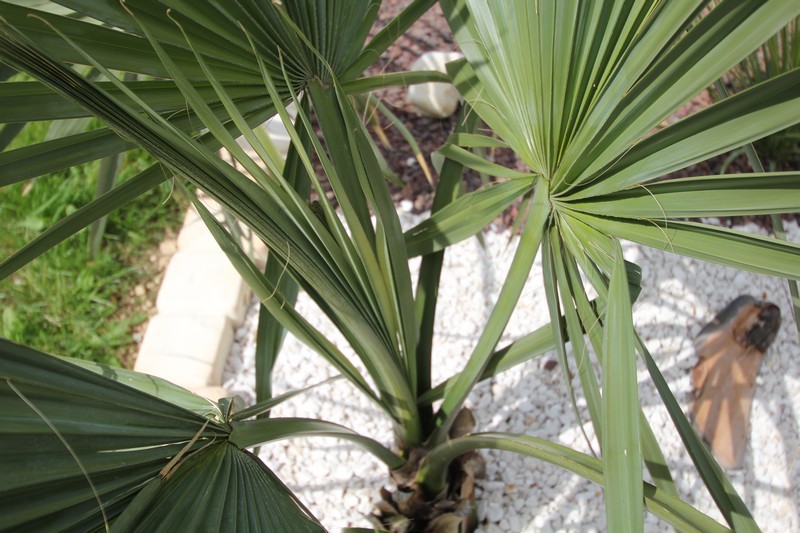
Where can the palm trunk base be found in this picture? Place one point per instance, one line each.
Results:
(410, 510)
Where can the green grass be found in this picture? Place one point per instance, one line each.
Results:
(64, 302)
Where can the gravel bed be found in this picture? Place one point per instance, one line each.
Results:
(338, 482)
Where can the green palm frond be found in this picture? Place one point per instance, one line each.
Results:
(78, 447)
(578, 91)
(285, 222)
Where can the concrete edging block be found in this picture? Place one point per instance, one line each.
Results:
(194, 235)
(190, 351)
(203, 284)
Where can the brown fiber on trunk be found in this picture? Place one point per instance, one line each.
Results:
(409, 510)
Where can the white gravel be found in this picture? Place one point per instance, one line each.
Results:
(338, 481)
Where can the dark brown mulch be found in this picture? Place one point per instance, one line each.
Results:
(431, 33)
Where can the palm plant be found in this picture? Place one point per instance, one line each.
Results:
(574, 88)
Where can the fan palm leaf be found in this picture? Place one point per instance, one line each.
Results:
(579, 92)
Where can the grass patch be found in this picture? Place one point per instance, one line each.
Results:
(64, 302)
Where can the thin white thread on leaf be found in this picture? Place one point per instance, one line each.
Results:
(66, 445)
(285, 267)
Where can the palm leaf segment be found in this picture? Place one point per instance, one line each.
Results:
(588, 83)
(579, 90)
(591, 86)
(182, 121)
(82, 450)
(269, 53)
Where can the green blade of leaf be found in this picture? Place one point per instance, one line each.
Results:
(472, 90)
(697, 197)
(8, 133)
(381, 250)
(314, 24)
(681, 515)
(269, 332)
(463, 217)
(394, 79)
(479, 164)
(274, 301)
(524, 349)
(569, 285)
(193, 160)
(106, 179)
(361, 246)
(393, 253)
(551, 289)
(351, 261)
(253, 432)
(751, 114)
(622, 457)
(81, 218)
(204, 112)
(65, 128)
(114, 49)
(542, 340)
(23, 163)
(225, 488)
(614, 48)
(709, 48)
(593, 251)
(430, 270)
(77, 220)
(85, 425)
(591, 323)
(263, 406)
(30, 101)
(530, 239)
(724, 494)
(154, 386)
(504, 44)
(711, 243)
(27, 162)
(473, 140)
(388, 35)
(223, 37)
